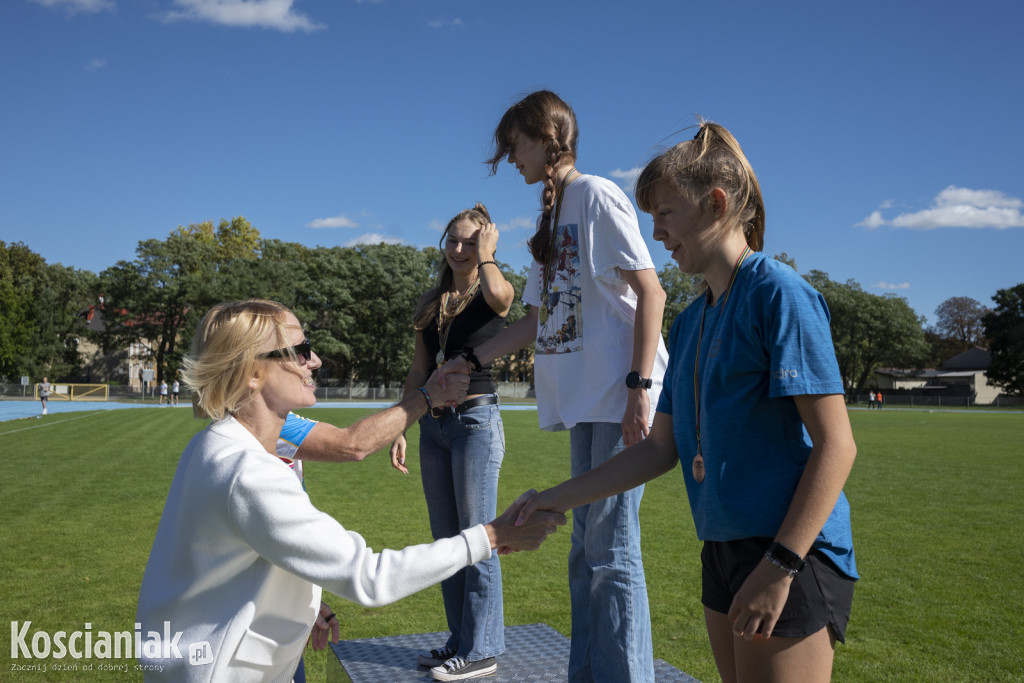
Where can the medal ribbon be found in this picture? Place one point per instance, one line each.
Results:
(442, 328)
(696, 362)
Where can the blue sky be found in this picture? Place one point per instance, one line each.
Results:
(886, 135)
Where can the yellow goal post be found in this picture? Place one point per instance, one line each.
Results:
(76, 392)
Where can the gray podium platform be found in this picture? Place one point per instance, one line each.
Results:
(534, 653)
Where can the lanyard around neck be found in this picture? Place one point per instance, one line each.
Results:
(700, 337)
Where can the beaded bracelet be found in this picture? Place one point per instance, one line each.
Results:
(430, 404)
(484, 263)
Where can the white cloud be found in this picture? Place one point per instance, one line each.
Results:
(956, 196)
(75, 6)
(628, 177)
(339, 221)
(891, 285)
(272, 14)
(957, 207)
(444, 23)
(373, 238)
(518, 224)
(96, 64)
(875, 220)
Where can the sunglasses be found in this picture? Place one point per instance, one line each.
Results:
(302, 351)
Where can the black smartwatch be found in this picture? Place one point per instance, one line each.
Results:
(784, 558)
(635, 381)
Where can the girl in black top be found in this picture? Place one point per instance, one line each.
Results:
(461, 447)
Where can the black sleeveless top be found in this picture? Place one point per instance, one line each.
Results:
(475, 325)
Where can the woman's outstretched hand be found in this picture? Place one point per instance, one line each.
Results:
(545, 501)
(507, 534)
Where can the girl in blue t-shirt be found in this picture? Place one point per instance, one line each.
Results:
(753, 411)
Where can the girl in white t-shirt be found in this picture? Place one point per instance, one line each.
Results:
(595, 318)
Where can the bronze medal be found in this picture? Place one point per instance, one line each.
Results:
(439, 358)
(698, 462)
(698, 468)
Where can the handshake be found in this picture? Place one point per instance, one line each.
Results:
(511, 532)
(447, 385)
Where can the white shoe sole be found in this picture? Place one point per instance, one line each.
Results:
(481, 673)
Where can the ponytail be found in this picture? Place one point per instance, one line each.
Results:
(713, 158)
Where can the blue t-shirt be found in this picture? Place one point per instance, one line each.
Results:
(769, 342)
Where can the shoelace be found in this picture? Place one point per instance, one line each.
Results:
(455, 663)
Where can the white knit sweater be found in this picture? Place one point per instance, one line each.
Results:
(240, 557)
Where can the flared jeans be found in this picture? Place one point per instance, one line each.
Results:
(611, 621)
(460, 458)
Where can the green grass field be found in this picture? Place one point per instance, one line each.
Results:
(937, 511)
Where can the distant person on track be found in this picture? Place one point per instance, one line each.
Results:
(44, 393)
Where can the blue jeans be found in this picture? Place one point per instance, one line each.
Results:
(460, 458)
(611, 621)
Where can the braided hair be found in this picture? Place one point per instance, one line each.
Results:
(543, 116)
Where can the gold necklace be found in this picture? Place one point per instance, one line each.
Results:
(446, 316)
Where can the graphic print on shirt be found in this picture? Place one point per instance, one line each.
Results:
(561, 329)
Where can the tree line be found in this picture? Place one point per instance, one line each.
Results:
(357, 304)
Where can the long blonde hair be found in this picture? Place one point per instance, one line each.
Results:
(426, 310)
(225, 351)
(713, 158)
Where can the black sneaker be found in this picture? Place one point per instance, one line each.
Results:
(458, 669)
(435, 657)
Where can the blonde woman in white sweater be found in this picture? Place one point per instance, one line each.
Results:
(241, 553)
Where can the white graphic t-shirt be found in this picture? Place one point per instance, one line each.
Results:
(584, 345)
(561, 328)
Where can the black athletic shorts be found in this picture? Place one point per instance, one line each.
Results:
(819, 595)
